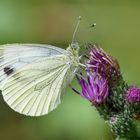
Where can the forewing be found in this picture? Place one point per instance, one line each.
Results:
(35, 89)
(15, 56)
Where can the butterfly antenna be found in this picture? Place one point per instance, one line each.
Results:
(77, 25)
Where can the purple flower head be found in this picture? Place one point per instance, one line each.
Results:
(133, 95)
(102, 63)
(95, 89)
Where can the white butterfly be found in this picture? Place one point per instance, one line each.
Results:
(33, 76)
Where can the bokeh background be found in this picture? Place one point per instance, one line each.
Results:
(53, 22)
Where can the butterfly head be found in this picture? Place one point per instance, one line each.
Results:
(73, 48)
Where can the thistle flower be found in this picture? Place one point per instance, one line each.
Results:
(133, 95)
(102, 63)
(95, 89)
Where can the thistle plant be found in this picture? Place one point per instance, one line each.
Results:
(103, 85)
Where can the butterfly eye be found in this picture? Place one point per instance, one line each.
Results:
(75, 46)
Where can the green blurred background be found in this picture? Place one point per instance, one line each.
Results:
(53, 22)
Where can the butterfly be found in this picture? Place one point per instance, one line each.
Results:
(34, 76)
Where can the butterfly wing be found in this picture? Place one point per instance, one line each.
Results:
(15, 56)
(34, 86)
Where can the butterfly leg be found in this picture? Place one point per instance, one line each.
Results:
(83, 55)
(75, 90)
(82, 65)
(79, 76)
(80, 57)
